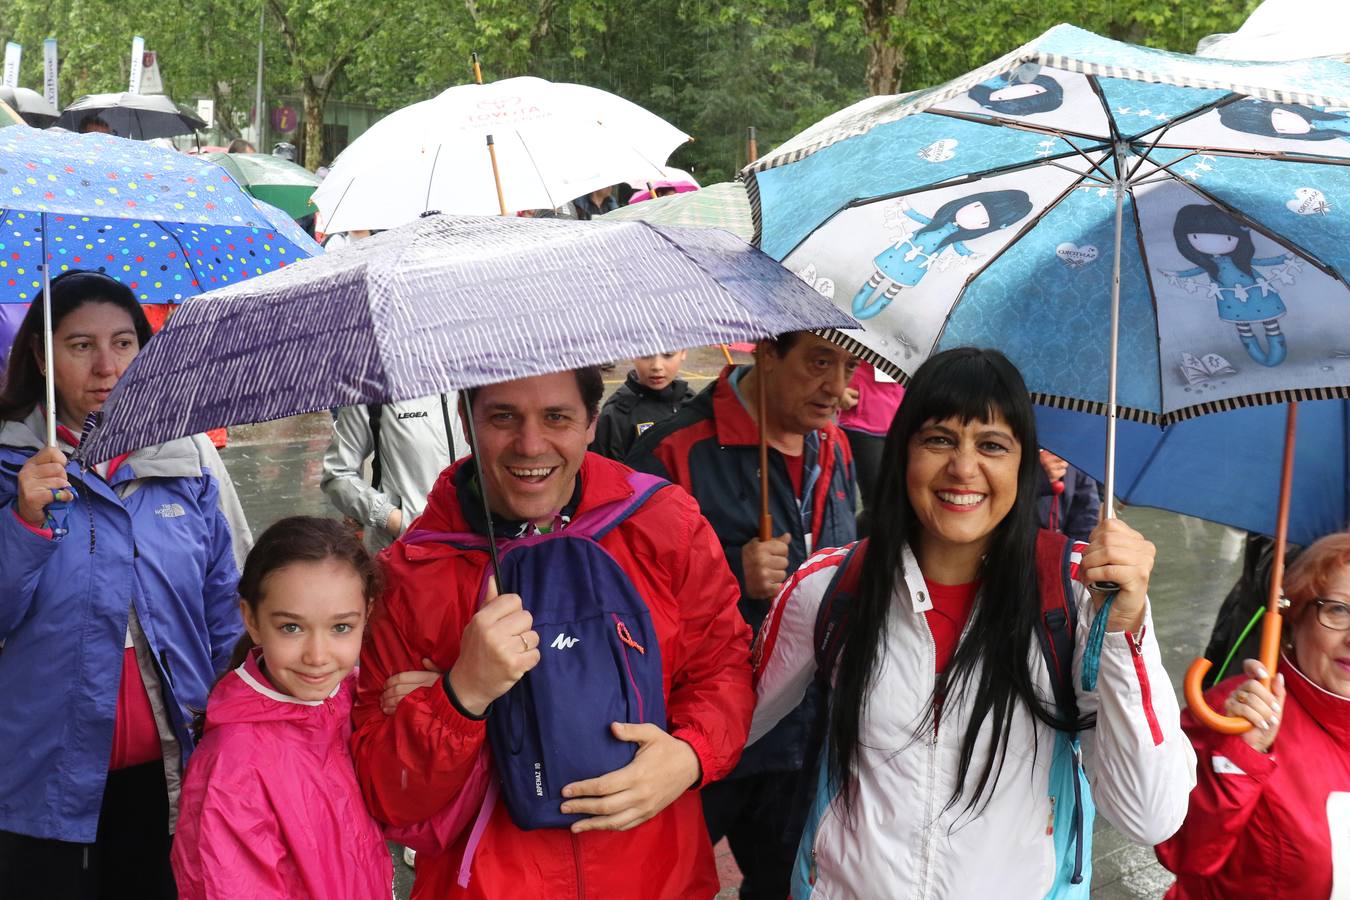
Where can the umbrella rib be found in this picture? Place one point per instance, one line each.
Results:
(1188, 116)
(1148, 277)
(431, 179)
(965, 179)
(1284, 242)
(998, 122)
(530, 156)
(1263, 155)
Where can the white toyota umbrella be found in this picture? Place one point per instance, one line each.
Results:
(553, 142)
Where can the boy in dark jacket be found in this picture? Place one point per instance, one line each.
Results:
(653, 393)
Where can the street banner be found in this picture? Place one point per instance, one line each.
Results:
(150, 80)
(50, 89)
(13, 52)
(137, 64)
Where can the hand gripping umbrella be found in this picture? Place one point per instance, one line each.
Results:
(982, 212)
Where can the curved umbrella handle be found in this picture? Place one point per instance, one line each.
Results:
(1195, 700)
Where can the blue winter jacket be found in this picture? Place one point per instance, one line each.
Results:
(154, 537)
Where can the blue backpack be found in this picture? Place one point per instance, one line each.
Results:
(1070, 796)
(600, 661)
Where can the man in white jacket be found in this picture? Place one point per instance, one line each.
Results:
(408, 444)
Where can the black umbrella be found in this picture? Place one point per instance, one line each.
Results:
(136, 116)
(31, 106)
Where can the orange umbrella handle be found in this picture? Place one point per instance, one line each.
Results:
(1275, 602)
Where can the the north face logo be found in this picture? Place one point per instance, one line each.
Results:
(169, 511)
(564, 642)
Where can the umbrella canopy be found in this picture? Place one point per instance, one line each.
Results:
(136, 116)
(446, 303)
(273, 180)
(715, 206)
(1223, 467)
(166, 224)
(30, 105)
(985, 212)
(553, 141)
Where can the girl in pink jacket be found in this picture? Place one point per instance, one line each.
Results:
(270, 806)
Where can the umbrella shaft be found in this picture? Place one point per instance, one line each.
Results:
(1109, 510)
(48, 365)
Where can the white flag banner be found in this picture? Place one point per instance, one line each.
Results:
(13, 52)
(150, 80)
(137, 63)
(49, 71)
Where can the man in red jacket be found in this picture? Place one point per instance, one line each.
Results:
(644, 835)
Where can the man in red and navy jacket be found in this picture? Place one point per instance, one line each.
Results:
(711, 449)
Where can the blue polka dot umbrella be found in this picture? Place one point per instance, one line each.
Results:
(167, 225)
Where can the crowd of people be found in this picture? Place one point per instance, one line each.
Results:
(936, 709)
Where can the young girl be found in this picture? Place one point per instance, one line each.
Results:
(270, 807)
(963, 219)
(1222, 251)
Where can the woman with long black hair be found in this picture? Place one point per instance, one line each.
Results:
(949, 766)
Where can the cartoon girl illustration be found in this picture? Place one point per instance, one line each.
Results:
(1222, 251)
(957, 221)
(1284, 120)
(1013, 97)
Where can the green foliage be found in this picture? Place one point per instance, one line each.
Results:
(712, 68)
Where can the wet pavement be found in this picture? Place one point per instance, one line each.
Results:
(276, 468)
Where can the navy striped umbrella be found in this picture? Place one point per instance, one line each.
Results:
(445, 303)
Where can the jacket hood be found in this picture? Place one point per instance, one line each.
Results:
(246, 696)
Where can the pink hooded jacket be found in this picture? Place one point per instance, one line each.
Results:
(270, 807)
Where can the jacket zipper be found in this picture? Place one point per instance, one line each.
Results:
(576, 857)
(926, 846)
(627, 640)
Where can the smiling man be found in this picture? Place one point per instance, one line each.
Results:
(643, 832)
(711, 448)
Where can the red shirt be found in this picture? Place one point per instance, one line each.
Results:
(796, 469)
(947, 618)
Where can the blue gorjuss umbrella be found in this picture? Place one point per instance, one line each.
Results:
(1082, 201)
(167, 225)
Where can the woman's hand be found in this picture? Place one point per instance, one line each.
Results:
(1259, 705)
(1116, 552)
(44, 473)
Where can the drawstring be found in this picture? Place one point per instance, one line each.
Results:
(1092, 653)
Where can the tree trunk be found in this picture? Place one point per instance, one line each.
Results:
(315, 100)
(885, 53)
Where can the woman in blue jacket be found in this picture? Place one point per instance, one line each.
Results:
(117, 610)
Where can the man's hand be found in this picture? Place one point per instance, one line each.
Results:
(499, 646)
(43, 473)
(1055, 467)
(1116, 552)
(765, 564)
(404, 683)
(664, 768)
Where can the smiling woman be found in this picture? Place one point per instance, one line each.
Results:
(940, 613)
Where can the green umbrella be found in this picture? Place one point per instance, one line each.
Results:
(722, 205)
(271, 179)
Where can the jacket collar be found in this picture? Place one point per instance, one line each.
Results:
(1331, 712)
(735, 427)
(178, 458)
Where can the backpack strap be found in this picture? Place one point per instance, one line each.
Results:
(375, 411)
(600, 521)
(1059, 617)
(832, 614)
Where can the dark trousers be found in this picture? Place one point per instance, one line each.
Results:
(129, 858)
(752, 813)
(867, 461)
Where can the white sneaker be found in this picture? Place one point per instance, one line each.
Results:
(410, 857)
